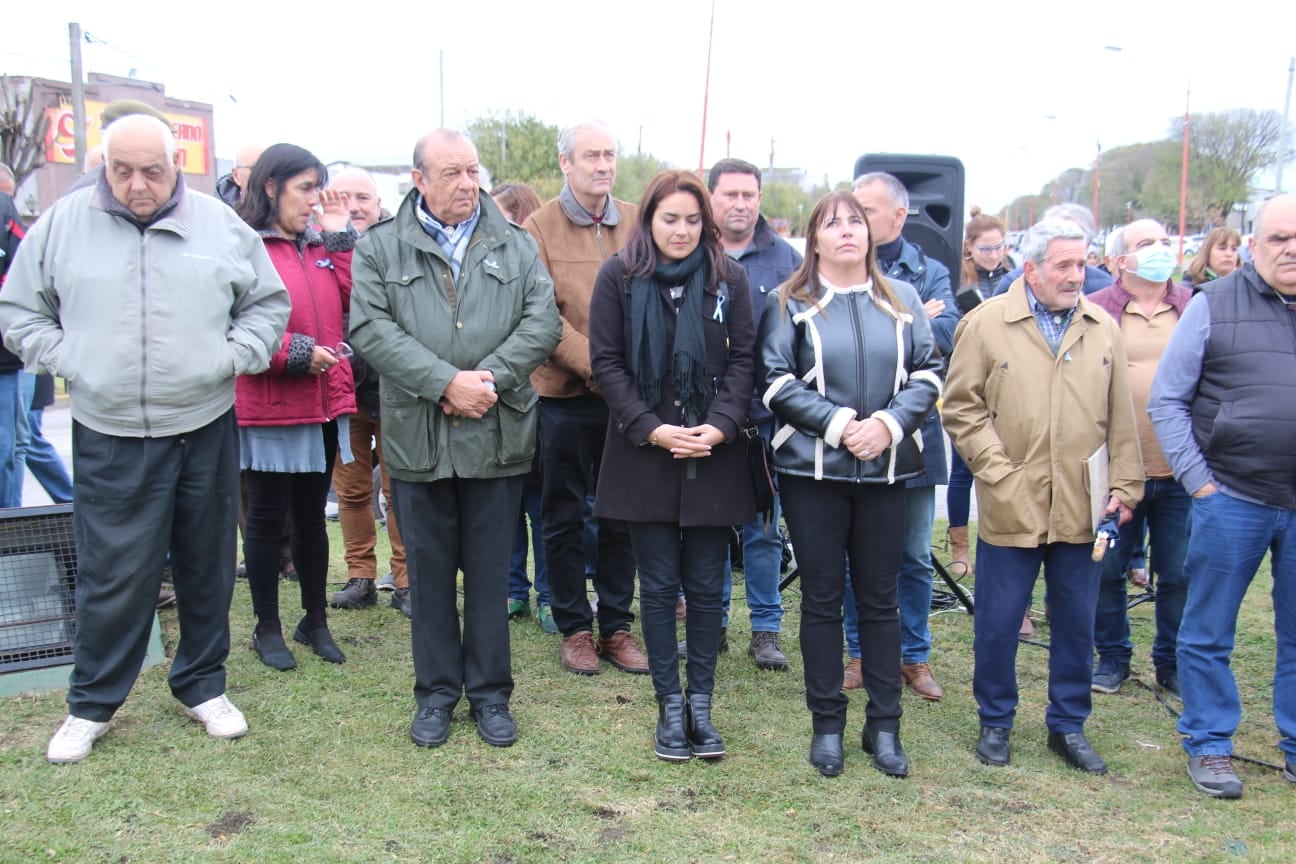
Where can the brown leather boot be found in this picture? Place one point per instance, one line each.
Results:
(921, 681)
(577, 653)
(853, 674)
(622, 651)
(960, 563)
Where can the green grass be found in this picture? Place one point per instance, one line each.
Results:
(327, 772)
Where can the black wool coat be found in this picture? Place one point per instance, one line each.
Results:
(642, 483)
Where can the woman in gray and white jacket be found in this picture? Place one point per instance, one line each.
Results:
(850, 372)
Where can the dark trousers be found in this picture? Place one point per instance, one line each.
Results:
(1165, 510)
(271, 494)
(133, 499)
(669, 557)
(448, 526)
(829, 521)
(572, 432)
(1005, 578)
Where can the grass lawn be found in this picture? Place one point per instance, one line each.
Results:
(328, 774)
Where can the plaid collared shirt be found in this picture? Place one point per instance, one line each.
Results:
(1052, 325)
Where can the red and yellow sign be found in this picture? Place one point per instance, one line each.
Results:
(60, 143)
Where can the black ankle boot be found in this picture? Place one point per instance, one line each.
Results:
(704, 741)
(672, 743)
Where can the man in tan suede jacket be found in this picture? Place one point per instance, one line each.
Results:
(576, 233)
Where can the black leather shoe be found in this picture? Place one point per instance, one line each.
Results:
(671, 741)
(431, 727)
(400, 599)
(1074, 748)
(495, 724)
(826, 754)
(992, 747)
(888, 756)
(704, 741)
(274, 652)
(320, 640)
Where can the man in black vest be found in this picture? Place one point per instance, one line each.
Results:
(1224, 407)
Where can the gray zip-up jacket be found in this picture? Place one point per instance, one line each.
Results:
(150, 325)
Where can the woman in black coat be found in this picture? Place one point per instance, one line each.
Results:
(672, 345)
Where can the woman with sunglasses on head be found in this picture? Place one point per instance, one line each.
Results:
(293, 416)
(672, 346)
(850, 371)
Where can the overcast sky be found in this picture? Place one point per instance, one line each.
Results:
(1017, 90)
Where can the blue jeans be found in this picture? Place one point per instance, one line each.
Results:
(1165, 509)
(1228, 541)
(42, 459)
(915, 581)
(958, 495)
(14, 437)
(1005, 579)
(519, 585)
(762, 563)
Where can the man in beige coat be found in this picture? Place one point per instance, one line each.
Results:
(1037, 384)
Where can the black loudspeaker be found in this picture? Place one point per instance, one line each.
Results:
(935, 185)
(38, 567)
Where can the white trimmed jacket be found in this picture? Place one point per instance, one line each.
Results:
(848, 356)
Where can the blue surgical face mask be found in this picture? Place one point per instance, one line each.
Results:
(1156, 263)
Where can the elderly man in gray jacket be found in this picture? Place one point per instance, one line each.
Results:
(149, 299)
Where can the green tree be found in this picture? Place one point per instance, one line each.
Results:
(634, 172)
(22, 128)
(518, 148)
(1226, 150)
(788, 201)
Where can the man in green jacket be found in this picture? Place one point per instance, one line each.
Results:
(454, 310)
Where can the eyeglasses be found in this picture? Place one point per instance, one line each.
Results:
(986, 250)
(342, 350)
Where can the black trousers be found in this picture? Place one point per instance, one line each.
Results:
(572, 432)
(271, 495)
(449, 526)
(829, 520)
(670, 557)
(133, 499)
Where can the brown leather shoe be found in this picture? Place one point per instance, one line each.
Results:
(1027, 628)
(622, 651)
(853, 674)
(577, 653)
(921, 681)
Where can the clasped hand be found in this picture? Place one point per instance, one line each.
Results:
(686, 442)
(467, 394)
(866, 439)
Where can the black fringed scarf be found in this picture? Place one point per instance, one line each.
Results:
(685, 365)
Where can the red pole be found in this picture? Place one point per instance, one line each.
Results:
(1183, 178)
(1097, 170)
(706, 92)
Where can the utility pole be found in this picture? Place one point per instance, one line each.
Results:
(706, 92)
(1283, 148)
(78, 95)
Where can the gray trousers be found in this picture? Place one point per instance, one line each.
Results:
(448, 526)
(133, 499)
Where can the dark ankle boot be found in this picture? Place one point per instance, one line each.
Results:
(704, 741)
(888, 756)
(672, 743)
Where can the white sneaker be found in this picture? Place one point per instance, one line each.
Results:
(220, 717)
(73, 740)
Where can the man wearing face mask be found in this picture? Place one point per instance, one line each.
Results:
(1147, 305)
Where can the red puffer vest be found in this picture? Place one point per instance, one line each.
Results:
(319, 285)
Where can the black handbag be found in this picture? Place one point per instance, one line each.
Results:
(760, 465)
